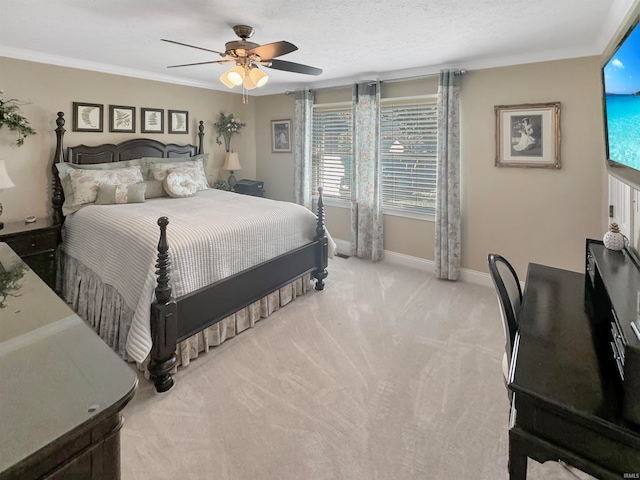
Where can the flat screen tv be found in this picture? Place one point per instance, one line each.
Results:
(621, 81)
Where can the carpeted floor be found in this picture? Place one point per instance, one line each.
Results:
(387, 374)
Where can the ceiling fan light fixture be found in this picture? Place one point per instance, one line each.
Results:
(258, 77)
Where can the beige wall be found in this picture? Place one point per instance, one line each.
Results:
(528, 215)
(533, 214)
(50, 89)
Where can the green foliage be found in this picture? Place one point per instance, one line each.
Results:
(10, 282)
(11, 116)
(227, 126)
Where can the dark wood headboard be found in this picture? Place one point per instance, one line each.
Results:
(128, 150)
(136, 148)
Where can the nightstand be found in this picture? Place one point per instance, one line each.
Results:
(36, 244)
(249, 187)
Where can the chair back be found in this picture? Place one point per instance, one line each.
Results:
(509, 294)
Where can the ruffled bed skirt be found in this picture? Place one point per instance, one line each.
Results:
(102, 307)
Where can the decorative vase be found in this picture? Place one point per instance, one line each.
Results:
(227, 142)
(613, 239)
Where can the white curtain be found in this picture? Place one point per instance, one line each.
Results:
(447, 245)
(302, 122)
(366, 196)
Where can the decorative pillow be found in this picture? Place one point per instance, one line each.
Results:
(155, 189)
(194, 168)
(179, 184)
(109, 194)
(85, 182)
(64, 168)
(204, 157)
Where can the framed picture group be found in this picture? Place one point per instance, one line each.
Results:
(89, 117)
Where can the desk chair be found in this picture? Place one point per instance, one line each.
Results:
(509, 294)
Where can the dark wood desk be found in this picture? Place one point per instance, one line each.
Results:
(61, 387)
(567, 396)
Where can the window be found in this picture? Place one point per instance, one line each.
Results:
(408, 143)
(331, 150)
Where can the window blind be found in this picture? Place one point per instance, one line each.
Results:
(408, 142)
(331, 150)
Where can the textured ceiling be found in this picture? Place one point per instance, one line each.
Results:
(348, 40)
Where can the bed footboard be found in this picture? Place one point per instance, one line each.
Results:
(322, 255)
(164, 319)
(165, 332)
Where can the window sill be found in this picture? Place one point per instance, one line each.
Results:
(394, 212)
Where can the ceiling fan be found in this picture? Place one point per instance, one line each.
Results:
(247, 56)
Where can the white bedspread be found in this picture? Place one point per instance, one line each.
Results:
(211, 236)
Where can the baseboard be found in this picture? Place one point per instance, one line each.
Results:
(395, 258)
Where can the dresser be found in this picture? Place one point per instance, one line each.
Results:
(574, 368)
(36, 244)
(62, 388)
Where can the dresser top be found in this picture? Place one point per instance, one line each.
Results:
(56, 374)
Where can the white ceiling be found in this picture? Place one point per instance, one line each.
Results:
(349, 40)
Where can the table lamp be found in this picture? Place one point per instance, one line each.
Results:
(5, 182)
(231, 163)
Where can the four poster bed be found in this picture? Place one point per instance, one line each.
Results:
(229, 252)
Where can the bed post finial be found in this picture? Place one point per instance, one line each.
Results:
(200, 137)
(58, 199)
(322, 254)
(164, 323)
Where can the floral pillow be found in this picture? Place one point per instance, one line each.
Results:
(195, 169)
(180, 184)
(85, 183)
(110, 194)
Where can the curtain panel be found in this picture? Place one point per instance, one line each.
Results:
(302, 123)
(447, 241)
(366, 194)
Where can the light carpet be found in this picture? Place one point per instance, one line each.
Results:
(388, 373)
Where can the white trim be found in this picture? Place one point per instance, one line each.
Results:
(395, 258)
(61, 61)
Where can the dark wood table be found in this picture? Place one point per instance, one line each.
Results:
(567, 397)
(61, 387)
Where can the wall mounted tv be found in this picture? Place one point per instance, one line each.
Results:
(621, 81)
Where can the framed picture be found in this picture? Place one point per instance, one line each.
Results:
(122, 119)
(152, 120)
(178, 121)
(87, 117)
(528, 135)
(281, 136)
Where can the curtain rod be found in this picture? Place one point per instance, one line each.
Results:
(462, 71)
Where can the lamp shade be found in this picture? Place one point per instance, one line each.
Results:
(224, 79)
(248, 83)
(258, 77)
(5, 180)
(231, 161)
(236, 75)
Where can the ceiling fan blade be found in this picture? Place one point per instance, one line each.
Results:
(294, 67)
(200, 63)
(273, 50)
(193, 46)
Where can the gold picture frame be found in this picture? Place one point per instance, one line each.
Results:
(528, 135)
